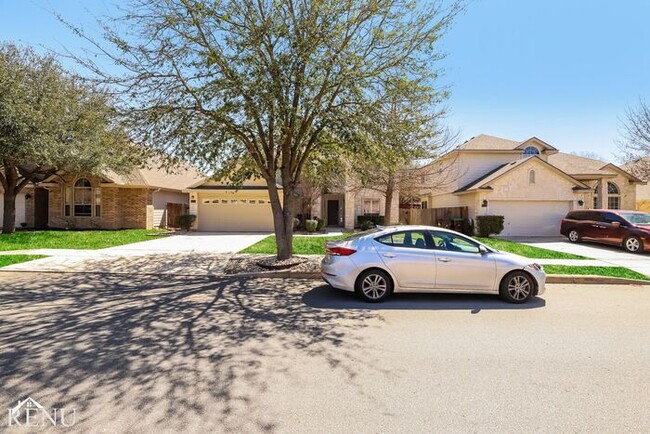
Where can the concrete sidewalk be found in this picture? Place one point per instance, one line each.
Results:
(613, 256)
(189, 254)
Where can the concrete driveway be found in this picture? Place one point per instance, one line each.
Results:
(148, 354)
(188, 254)
(612, 255)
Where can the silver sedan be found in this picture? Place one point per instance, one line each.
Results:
(376, 263)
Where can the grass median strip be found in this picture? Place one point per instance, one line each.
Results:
(302, 245)
(621, 272)
(27, 240)
(525, 250)
(16, 259)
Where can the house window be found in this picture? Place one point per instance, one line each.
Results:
(530, 150)
(531, 177)
(83, 198)
(613, 196)
(425, 204)
(371, 206)
(67, 200)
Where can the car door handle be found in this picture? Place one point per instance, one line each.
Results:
(444, 259)
(389, 255)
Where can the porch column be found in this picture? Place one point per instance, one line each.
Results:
(602, 194)
(348, 219)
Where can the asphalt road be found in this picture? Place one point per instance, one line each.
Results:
(162, 355)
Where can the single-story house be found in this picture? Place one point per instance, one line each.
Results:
(222, 207)
(529, 182)
(145, 198)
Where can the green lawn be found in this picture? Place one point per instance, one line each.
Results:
(527, 251)
(15, 259)
(595, 271)
(302, 245)
(72, 239)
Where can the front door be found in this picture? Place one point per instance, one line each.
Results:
(332, 212)
(41, 208)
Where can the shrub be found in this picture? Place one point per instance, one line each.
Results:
(320, 223)
(489, 225)
(375, 219)
(367, 224)
(185, 221)
(296, 223)
(311, 225)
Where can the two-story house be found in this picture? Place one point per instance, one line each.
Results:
(529, 182)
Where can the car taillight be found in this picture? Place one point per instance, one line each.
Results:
(340, 251)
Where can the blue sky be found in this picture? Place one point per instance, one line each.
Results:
(563, 71)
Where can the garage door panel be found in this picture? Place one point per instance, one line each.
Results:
(232, 215)
(531, 218)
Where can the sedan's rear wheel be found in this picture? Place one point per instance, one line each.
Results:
(517, 287)
(632, 244)
(374, 286)
(574, 236)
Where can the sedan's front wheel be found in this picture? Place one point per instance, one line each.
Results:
(374, 286)
(517, 287)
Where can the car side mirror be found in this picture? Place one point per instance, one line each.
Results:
(482, 250)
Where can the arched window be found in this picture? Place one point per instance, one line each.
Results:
(531, 177)
(613, 196)
(83, 198)
(530, 150)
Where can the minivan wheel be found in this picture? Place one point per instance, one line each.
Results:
(632, 244)
(374, 286)
(517, 287)
(574, 236)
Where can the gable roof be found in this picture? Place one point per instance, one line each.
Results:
(582, 166)
(484, 142)
(482, 183)
(155, 176)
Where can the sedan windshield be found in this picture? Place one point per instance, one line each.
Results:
(637, 218)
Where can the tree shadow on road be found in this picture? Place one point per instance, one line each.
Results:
(134, 353)
(325, 297)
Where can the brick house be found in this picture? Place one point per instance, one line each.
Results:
(145, 198)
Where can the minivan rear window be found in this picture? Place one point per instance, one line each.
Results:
(584, 215)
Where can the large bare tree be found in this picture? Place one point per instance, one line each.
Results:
(635, 144)
(256, 87)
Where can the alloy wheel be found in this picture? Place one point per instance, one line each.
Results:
(519, 288)
(573, 236)
(632, 244)
(374, 286)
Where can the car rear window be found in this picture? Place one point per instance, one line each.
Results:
(356, 235)
(584, 215)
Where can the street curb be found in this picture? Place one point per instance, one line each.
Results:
(551, 278)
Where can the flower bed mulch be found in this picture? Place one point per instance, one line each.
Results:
(245, 263)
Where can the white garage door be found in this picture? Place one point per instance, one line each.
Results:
(234, 215)
(529, 218)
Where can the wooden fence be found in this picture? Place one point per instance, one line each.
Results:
(443, 217)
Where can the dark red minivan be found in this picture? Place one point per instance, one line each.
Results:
(628, 229)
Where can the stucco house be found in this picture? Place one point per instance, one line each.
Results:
(145, 198)
(530, 182)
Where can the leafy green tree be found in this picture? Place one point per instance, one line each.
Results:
(52, 121)
(257, 87)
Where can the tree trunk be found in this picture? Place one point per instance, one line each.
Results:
(282, 220)
(10, 186)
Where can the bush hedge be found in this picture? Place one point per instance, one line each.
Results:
(375, 219)
(311, 225)
(185, 221)
(489, 225)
